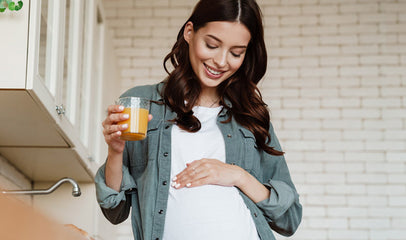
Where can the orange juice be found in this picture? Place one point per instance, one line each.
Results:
(137, 124)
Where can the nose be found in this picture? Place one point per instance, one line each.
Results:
(220, 59)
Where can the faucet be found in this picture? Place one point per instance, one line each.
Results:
(75, 189)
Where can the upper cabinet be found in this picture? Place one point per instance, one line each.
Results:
(51, 88)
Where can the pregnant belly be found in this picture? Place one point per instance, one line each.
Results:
(208, 212)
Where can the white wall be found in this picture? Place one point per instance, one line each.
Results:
(12, 179)
(336, 85)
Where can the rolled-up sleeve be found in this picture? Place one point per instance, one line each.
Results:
(115, 205)
(282, 209)
(108, 197)
(281, 199)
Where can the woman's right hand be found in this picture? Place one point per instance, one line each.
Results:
(112, 130)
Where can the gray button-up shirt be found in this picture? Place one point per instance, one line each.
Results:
(146, 176)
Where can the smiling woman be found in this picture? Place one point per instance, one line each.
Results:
(216, 53)
(211, 166)
(239, 24)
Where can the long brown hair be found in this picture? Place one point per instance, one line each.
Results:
(182, 88)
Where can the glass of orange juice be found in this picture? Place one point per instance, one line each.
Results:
(138, 109)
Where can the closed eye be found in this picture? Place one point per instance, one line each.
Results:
(236, 55)
(210, 46)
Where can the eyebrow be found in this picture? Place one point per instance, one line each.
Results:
(217, 39)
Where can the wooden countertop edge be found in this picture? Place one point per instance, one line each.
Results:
(19, 221)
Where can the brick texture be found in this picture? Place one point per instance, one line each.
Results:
(336, 86)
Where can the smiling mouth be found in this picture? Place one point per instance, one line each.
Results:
(212, 71)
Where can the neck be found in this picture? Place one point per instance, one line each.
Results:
(208, 98)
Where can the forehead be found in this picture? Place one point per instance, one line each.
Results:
(230, 33)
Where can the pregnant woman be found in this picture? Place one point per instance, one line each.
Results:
(211, 167)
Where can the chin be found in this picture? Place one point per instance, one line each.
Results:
(209, 83)
(212, 83)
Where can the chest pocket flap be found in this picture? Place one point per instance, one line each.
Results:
(252, 157)
(153, 125)
(249, 136)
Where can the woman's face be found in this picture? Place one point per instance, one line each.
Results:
(216, 50)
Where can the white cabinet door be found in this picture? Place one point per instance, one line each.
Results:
(92, 86)
(73, 60)
(61, 72)
(44, 54)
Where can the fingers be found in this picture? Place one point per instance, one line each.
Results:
(111, 130)
(115, 115)
(193, 180)
(195, 174)
(114, 109)
(207, 171)
(184, 178)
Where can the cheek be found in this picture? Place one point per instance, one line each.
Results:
(236, 64)
(197, 56)
(201, 53)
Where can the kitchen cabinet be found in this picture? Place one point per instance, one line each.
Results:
(51, 88)
(57, 73)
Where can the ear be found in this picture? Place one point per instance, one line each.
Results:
(188, 32)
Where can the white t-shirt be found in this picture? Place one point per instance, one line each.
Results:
(209, 212)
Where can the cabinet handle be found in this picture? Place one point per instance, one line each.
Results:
(60, 109)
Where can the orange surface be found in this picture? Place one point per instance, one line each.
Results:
(19, 221)
(137, 124)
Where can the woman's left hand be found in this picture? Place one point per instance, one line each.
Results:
(208, 172)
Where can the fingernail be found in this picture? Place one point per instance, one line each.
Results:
(121, 108)
(188, 184)
(124, 126)
(126, 116)
(177, 185)
(174, 178)
(173, 184)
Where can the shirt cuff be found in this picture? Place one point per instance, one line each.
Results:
(281, 198)
(108, 197)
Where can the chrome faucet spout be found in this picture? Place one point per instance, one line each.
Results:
(75, 189)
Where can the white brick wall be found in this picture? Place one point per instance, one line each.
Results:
(336, 85)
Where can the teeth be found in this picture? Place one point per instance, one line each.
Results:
(212, 71)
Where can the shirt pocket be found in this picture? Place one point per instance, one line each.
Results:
(145, 150)
(251, 155)
(153, 139)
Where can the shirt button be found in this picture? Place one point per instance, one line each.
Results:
(255, 214)
(167, 127)
(229, 135)
(166, 154)
(164, 183)
(161, 211)
(156, 238)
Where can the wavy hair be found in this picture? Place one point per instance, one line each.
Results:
(182, 88)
